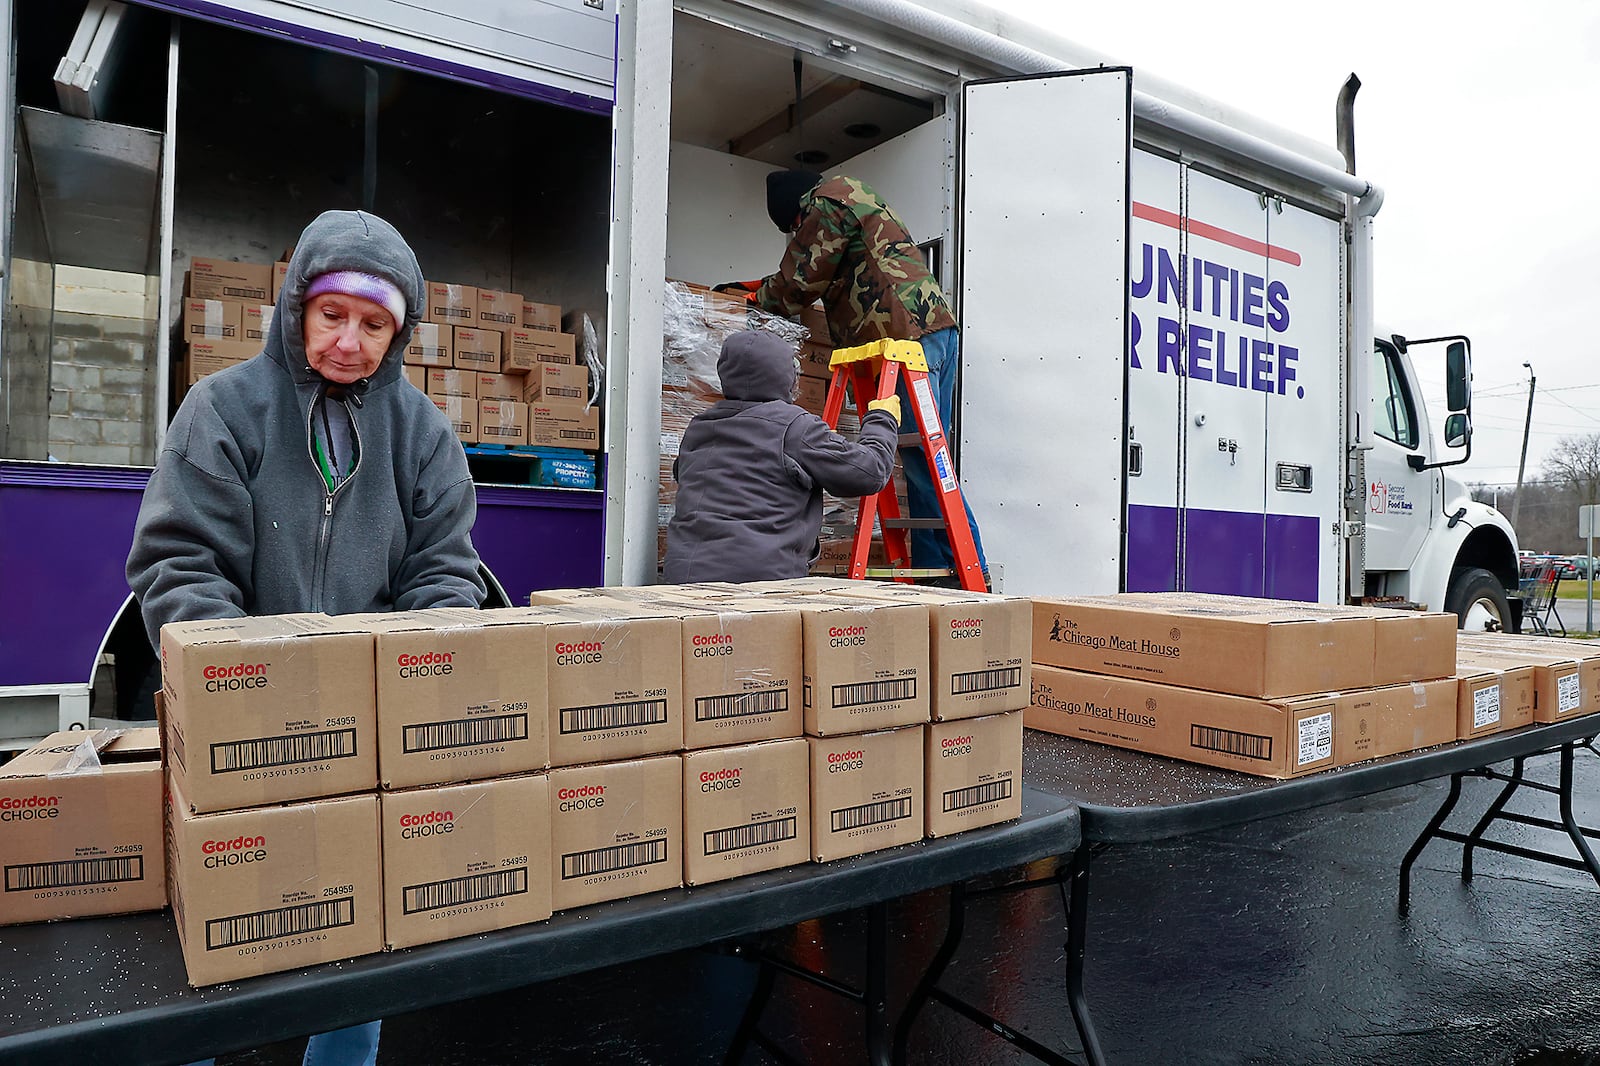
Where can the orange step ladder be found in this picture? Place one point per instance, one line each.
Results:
(871, 371)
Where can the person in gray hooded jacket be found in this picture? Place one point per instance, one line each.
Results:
(314, 477)
(305, 479)
(752, 469)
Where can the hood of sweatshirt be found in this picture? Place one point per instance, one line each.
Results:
(758, 366)
(344, 240)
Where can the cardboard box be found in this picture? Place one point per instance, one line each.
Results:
(461, 695)
(1210, 643)
(556, 383)
(1494, 697)
(255, 320)
(465, 859)
(418, 376)
(815, 320)
(541, 316)
(221, 279)
(746, 809)
(980, 646)
(502, 422)
(477, 349)
(564, 425)
(811, 393)
(462, 414)
(1278, 737)
(274, 888)
(80, 826)
(451, 305)
(264, 710)
(528, 348)
(866, 664)
(215, 319)
(499, 311)
(867, 792)
(206, 357)
(616, 830)
(1407, 645)
(816, 362)
(280, 274)
(1558, 678)
(431, 345)
(616, 681)
(741, 662)
(496, 386)
(974, 773)
(452, 384)
(1586, 653)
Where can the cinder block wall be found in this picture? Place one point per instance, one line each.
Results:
(103, 378)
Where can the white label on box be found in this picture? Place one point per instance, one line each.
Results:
(1316, 738)
(1568, 695)
(669, 444)
(1486, 706)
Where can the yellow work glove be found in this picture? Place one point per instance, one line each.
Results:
(890, 404)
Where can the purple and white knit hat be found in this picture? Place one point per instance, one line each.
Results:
(380, 291)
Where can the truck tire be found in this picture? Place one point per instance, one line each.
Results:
(1478, 601)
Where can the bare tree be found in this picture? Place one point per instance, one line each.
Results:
(1575, 466)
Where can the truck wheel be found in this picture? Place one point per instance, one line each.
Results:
(1477, 598)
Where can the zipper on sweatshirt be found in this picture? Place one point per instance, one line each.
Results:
(325, 527)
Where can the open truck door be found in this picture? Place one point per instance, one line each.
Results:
(1044, 325)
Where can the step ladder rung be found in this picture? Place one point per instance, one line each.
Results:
(911, 523)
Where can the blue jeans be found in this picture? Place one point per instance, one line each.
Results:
(930, 547)
(355, 1046)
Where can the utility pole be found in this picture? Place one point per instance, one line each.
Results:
(1516, 501)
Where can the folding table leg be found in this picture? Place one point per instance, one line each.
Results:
(1077, 936)
(1574, 830)
(1422, 841)
(954, 929)
(875, 999)
(1513, 783)
(765, 976)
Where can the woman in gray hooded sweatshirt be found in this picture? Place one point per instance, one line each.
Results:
(314, 477)
(752, 469)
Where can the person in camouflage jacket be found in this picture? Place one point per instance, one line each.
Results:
(849, 249)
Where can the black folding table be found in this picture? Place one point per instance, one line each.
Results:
(114, 989)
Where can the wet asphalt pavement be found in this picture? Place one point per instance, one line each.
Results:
(1275, 943)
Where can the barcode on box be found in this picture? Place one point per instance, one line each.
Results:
(613, 716)
(749, 836)
(550, 357)
(283, 751)
(1230, 742)
(577, 434)
(976, 795)
(572, 392)
(459, 890)
(985, 680)
(865, 692)
(28, 877)
(870, 814)
(618, 857)
(464, 732)
(741, 704)
(282, 922)
(243, 293)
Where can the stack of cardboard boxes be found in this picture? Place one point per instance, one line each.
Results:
(1282, 689)
(342, 785)
(227, 310)
(501, 370)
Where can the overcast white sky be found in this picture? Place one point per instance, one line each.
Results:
(1479, 120)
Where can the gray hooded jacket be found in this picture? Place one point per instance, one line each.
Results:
(237, 519)
(752, 469)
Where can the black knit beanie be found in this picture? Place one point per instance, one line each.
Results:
(784, 189)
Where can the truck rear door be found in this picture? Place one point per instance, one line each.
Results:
(1044, 201)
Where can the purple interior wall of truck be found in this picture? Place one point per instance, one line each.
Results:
(65, 532)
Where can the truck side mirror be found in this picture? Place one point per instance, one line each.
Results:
(1457, 431)
(1458, 380)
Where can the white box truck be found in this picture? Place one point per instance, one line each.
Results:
(1171, 377)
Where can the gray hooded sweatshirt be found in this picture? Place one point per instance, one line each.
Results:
(237, 519)
(752, 469)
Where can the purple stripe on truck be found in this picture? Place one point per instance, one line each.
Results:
(1227, 552)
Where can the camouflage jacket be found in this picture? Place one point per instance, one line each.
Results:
(853, 252)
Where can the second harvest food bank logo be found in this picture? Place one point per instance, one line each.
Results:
(1384, 498)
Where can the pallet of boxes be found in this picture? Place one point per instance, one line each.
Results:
(1281, 689)
(227, 310)
(696, 321)
(341, 786)
(501, 370)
